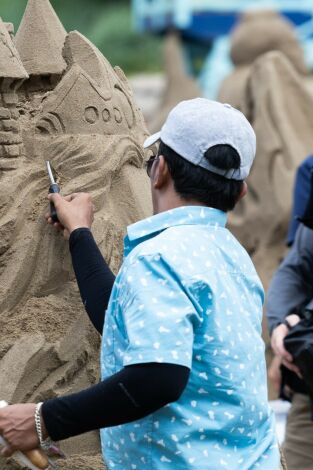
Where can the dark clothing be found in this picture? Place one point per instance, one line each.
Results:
(301, 195)
(292, 285)
(94, 277)
(134, 392)
(297, 445)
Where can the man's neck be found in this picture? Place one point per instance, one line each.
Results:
(174, 203)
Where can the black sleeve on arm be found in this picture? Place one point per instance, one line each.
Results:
(292, 284)
(94, 278)
(134, 392)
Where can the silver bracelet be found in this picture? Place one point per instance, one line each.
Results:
(44, 443)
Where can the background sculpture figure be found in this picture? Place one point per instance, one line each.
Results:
(259, 32)
(271, 85)
(63, 102)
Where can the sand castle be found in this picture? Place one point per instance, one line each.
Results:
(60, 100)
(271, 89)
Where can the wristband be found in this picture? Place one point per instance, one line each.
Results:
(45, 444)
(286, 323)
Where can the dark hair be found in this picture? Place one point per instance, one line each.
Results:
(195, 183)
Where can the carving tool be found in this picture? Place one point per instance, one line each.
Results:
(54, 188)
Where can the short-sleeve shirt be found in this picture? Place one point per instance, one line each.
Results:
(188, 294)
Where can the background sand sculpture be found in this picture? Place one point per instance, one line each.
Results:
(279, 106)
(273, 90)
(180, 86)
(259, 32)
(60, 100)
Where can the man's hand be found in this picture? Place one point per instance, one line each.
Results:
(74, 211)
(277, 343)
(17, 427)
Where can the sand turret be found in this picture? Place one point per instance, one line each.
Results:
(12, 75)
(40, 39)
(11, 66)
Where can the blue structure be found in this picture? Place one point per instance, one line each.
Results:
(209, 19)
(207, 23)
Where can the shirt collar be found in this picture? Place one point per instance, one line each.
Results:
(186, 215)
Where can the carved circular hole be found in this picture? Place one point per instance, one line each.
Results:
(118, 116)
(91, 114)
(106, 115)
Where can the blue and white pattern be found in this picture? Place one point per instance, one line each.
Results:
(188, 294)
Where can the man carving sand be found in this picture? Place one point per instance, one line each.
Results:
(182, 358)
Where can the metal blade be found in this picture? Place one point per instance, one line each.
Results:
(53, 464)
(51, 177)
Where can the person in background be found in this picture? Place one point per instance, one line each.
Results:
(301, 197)
(290, 293)
(182, 357)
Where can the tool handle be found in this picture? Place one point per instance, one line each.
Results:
(54, 188)
(37, 458)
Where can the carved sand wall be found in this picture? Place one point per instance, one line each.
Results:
(60, 100)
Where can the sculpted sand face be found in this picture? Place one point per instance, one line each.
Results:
(64, 102)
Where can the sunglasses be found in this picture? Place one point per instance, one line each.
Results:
(149, 163)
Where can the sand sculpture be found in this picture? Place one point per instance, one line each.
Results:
(60, 100)
(273, 91)
(259, 32)
(280, 108)
(180, 86)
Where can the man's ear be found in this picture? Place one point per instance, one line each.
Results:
(243, 191)
(160, 174)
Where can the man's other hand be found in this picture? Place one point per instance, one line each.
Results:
(17, 427)
(74, 211)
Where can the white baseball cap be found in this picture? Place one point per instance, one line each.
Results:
(194, 126)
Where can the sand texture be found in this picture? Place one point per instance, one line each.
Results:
(67, 104)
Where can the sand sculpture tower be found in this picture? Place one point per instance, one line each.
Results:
(60, 100)
(40, 40)
(12, 75)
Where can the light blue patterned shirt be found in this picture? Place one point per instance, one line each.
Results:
(188, 294)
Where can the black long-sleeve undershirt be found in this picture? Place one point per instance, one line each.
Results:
(94, 277)
(134, 392)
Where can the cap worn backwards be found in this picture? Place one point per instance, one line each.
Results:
(195, 126)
